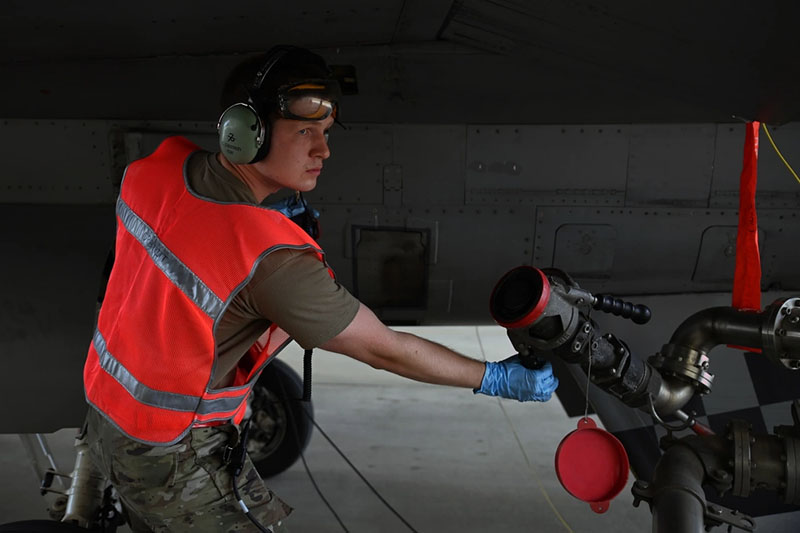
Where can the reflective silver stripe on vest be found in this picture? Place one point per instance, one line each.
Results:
(172, 267)
(219, 405)
(164, 400)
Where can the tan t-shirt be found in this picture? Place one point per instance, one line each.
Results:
(290, 288)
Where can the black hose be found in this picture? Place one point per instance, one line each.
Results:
(239, 465)
(307, 375)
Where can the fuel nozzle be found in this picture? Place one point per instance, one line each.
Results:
(546, 312)
(541, 312)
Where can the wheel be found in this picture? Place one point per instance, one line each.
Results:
(43, 526)
(280, 429)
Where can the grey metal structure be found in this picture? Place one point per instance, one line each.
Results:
(602, 138)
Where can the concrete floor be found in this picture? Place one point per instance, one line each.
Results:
(445, 459)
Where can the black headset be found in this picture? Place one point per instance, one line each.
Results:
(244, 128)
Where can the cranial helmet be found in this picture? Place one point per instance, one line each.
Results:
(286, 82)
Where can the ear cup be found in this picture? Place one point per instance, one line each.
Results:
(263, 150)
(242, 134)
(244, 130)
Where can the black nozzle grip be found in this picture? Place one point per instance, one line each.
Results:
(532, 362)
(640, 314)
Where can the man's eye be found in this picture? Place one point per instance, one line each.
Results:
(327, 135)
(304, 131)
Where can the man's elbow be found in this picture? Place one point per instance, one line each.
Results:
(368, 340)
(374, 357)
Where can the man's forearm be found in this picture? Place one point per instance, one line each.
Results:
(370, 341)
(427, 361)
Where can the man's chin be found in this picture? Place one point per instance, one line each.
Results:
(308, 185)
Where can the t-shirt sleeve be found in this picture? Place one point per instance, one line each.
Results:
(294, 290)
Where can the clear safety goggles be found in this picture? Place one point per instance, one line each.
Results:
(314, 100)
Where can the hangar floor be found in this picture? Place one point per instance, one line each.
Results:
(446, 460)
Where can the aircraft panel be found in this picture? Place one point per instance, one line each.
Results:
(546, 164)
(716, 259)
(657, 249)
(670, 164)
(586, 250)
(463, 268)
(356, 174)
(46, 155)
(140, 139)
(432, 162)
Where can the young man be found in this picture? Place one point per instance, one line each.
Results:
(208, 285)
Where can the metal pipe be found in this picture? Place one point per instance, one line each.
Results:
(673, 395)
(679, 502)
(719, 325)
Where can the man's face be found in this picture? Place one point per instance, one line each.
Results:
(296, 153)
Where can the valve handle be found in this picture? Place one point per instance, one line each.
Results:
(640, 314)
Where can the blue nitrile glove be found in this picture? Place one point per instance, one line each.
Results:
(509, 379)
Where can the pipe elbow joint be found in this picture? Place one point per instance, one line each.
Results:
(672, 395)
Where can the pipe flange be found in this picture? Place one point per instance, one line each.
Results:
(791, 494)
(613, 374)
(686, 364)
(780, 332)
(739, 432)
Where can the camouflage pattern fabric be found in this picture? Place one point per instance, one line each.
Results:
(185, 486)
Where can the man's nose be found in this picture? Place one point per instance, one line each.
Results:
(320, 147)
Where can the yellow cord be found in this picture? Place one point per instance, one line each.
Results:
(533, 470)
(766, 130)
(525, 455)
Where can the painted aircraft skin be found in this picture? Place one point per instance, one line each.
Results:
(604, 139)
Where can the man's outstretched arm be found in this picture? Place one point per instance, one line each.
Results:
(368, 340)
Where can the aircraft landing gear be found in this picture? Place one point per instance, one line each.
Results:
(280, 423)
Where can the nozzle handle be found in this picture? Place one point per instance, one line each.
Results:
(532, 362)
(640, 314)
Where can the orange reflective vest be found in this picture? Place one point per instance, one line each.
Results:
(180, 260)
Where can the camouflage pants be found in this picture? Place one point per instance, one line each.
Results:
(186, 486)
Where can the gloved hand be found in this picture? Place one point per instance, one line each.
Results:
(509, 379)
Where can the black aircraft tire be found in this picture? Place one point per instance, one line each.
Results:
(279, 428)
(43, 526)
